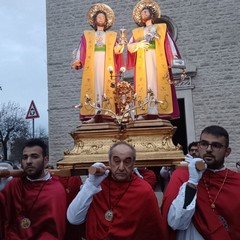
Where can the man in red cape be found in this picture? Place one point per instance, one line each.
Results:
(119, 205)
(34, 206)
(204, 204)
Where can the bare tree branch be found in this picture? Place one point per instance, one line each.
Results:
(12, 125)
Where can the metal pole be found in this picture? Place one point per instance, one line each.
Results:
(33, 127)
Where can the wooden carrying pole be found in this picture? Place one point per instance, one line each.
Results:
(199, 165)
(99, 171)
(92, 170)
(13, 173)
(20, 172)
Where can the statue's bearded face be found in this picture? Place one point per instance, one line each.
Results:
(145, 15)
(101, 20)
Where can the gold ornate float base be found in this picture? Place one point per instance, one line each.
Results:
(152, 140)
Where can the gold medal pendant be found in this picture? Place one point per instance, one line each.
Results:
(109, 215)
(25, 223)
(212, 205)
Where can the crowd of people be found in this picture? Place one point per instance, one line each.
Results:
(119, 202)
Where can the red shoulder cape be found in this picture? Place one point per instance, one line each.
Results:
(47, 214)
(205, 219)
(136, 215)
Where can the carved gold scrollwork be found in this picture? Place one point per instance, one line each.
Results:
(92, 149)
(78, 145)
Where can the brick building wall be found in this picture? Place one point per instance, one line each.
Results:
(208, 38)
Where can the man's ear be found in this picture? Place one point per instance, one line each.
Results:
(46, 160)
(228, 151)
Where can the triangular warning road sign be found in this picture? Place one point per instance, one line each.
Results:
(32, 111)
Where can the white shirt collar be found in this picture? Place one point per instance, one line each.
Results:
(217, 170)
(45, 178)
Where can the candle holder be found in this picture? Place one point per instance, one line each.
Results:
(119, 76)
(125, 98)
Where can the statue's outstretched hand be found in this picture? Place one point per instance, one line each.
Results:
(76, 64)
(143, 44)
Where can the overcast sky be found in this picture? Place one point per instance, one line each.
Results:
(23, 58)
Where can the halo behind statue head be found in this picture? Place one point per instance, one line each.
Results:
(102, 8)
(142, 4)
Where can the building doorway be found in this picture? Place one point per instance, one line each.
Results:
(180, 136)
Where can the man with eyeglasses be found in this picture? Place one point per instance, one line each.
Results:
(204, 204)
